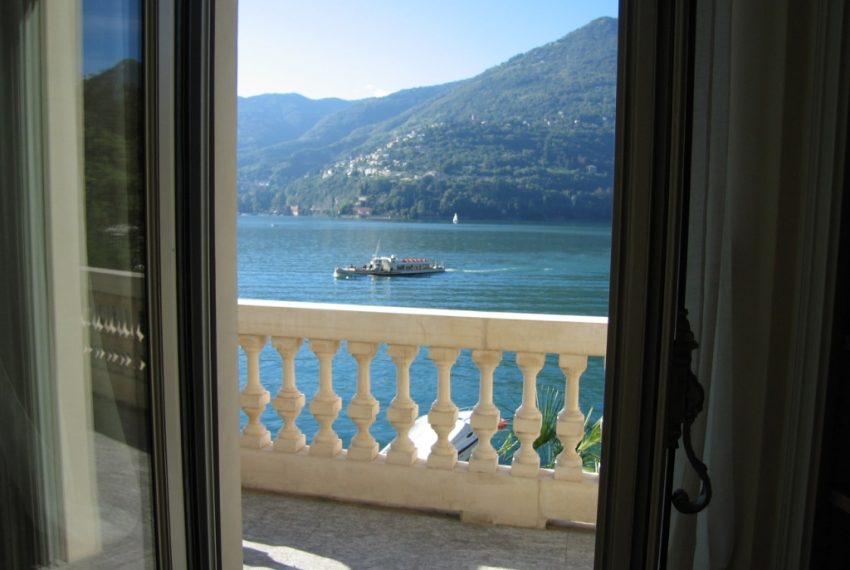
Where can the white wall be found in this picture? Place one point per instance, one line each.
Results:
(225, 302)
(63, 178)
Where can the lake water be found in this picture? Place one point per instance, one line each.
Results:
(525, 268)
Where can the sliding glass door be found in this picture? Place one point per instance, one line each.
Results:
(82, 458)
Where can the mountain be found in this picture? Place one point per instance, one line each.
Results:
(335, 132)
(575, 75)
(532, 138)
(113, 143)
(266, 120)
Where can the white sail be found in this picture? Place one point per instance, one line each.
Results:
(454, 219)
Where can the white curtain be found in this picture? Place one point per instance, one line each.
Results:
(743, 257)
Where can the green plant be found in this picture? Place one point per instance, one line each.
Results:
(590, 446)
(550, 401)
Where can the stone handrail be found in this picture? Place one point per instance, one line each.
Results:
(521, 494)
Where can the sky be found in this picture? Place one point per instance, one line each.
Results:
(111, 33)
(354, 49)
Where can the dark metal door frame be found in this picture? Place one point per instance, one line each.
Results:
(652, 154)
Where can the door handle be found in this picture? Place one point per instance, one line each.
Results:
(686, 402)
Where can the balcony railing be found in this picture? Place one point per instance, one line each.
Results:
(115, 321)
(522, 494)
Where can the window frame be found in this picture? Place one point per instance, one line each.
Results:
(198, 159)
(650, 155)
(190, 85)
(651, 159)
(649, 231)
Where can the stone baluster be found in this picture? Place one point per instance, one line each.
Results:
(570, 426)
(254, 397)
(363, 408)
(326, 404)
(289, 401)
(403, 410)
(528, 419)
(485, 415)
(443, 414)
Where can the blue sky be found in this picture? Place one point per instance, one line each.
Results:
(360, 48)
(111, 33)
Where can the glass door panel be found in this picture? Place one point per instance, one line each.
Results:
(75, 375)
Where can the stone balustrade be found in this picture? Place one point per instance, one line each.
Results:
(482, 490)
(115, 322)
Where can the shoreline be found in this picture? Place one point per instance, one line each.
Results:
(489, 221)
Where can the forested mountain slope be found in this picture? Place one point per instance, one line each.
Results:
(532, 138)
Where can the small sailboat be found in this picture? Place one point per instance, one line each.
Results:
(454, 219)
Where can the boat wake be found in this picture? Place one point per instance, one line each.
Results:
(497, 270)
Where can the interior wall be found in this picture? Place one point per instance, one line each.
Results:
(225, 282)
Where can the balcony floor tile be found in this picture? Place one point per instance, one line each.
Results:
(294, 532)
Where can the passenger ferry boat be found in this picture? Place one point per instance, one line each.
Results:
(392, 266)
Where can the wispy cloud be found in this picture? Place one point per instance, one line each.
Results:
(375, 91)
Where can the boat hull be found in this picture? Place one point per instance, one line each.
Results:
(462, 436)
(355, 272)
(391, 266)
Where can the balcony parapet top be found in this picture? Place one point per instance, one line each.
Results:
(540, 333)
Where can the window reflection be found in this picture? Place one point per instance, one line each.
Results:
(114, 182)
(75, 460)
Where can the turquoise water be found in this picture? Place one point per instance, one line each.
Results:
(526, 268)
